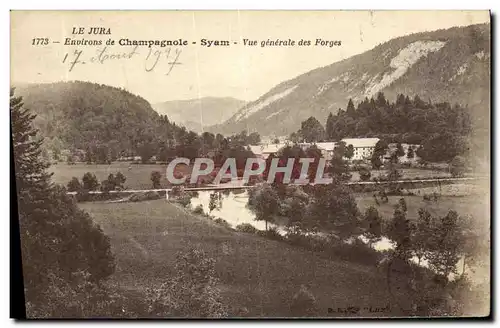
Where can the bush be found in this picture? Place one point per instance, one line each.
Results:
(143, 196)
(356, 252)
(223, 223)
(74, 185)
(272, 233)
(199, 210)
(247, 228)
(313, 243)
(364, 174)
(192, 291)
(156, 179)
(184, 200)
(90, 182)
(303, 303)
(457, 166)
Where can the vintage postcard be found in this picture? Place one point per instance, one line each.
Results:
(251, 164)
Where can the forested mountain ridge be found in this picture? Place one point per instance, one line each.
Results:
(198, 114)
(82, 115)
(451, 65)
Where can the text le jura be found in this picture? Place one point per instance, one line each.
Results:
(92, 30)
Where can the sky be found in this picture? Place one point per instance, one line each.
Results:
(192, 71)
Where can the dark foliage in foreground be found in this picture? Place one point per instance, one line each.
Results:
(65, 254)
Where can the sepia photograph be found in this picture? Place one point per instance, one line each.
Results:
(251, 164)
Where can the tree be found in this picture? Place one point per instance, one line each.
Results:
(60, 244)
(74, 185)
(351, 111)
(447, 242)
(349, 152)
(312, 130)
(108, 184)
(411, 153)
(339, 169)
(381, 101)
(400, 232)
(376, 162)
(380, 149)
(372, 224)
(102, 155)
(458, 166)
(333, 209)
(402, 204)
(423, 235)
(214, 199)
(146, 151)
(303, 303)
(364, 174)
(294, 137)
(443, 147)
(90, 182)
(120, 180)
(264, 202)
(156, 179)
(393, 173)
(253, 138)
(399, 150)
(330, 127)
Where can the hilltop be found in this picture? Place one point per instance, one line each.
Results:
(197, 114)
(77, 115)
(446, 65)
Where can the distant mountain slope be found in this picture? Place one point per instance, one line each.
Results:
(445, 65)
(196, 114)
(79, 114)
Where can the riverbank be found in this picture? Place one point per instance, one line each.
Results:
(259, 277)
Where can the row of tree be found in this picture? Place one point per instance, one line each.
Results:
(442, 130)
(316, 212)
(91, 183)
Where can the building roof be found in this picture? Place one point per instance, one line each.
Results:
(272, 148)
(361, 142)
(256, 149)
(328, 146)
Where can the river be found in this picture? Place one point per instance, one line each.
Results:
(235, 211)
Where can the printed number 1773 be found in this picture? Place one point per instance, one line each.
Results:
(40, 41)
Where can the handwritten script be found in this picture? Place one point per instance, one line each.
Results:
(154, 58)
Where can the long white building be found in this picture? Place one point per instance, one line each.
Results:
(363, 148)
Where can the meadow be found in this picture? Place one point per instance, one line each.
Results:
(474, 205)
(259, 277)
(139, 175)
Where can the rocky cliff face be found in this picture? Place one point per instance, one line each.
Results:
(446, 65)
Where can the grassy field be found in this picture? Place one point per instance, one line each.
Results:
(139, 175)
(412, 173)
(259, 276)
(476, 205)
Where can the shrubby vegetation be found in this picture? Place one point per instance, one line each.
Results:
(325, 219)
(65, 255)
(442, 130)
(95, 123)
(192, 292)
(246, 227)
